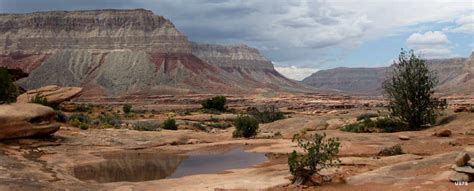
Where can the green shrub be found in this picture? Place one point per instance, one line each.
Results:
(8, 90)
(83, 126)
(146, 126)
(390, 151)
(367, 125)
(319, 153)
(76, 123)
(223, 125)
(215, 103)
(127, 108)
(245, 126)
(170, 124)
(60, 117)
(83, 108)
(80, 117)
(266, 114)
(40, 99)
(367, 116)
(111, 119)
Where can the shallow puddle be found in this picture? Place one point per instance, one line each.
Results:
(136, 167)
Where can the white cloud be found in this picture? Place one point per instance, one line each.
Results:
(431, 44)
(294, 72)
(465, 24)
(428, 38)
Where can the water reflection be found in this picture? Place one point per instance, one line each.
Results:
(136, 166)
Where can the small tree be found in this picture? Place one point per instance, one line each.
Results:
(8, 90)
(127, 108)
(170, 124)
(245, 126)
(216, 103)
(319, 153)
(410, 92)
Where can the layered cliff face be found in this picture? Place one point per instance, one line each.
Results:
(117, 52)
(369, 80)
(47, 32)
(244, 62)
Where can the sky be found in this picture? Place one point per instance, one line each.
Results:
(303, 36)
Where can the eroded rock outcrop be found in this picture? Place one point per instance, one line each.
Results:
(54, 94)
(21, 120)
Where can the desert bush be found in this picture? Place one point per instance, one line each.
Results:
(147, 126)
(8, 90)
(39, 99)
(266, 114)
(170, 124)
(60, 117)
(366, 116)
(390, 151)
(83, 108)
(223, 125)
(410, 91)
(127, 108)
(382, 124)
(215, 103)
(110, 119)
(80, 117)
(245, 126)
(319, 153)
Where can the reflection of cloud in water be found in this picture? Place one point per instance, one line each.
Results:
(136, 167)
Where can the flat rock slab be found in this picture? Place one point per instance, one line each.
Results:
(54, 94)
(465, 169)
(459, 177)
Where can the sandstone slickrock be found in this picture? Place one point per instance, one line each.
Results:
(462, 159)
(21, 120)
(455, 76)
(459, 177)
(118, 52)
(443, 133)
(464, 169)
(54, 94)
(403, 137)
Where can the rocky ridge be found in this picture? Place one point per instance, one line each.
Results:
(452, 73)
(124, 52)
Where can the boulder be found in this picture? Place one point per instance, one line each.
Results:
(462, 158)
(459, 177)
(403, 137)
(22, 120)
(470, 163)
(443, 133)
(54, 94)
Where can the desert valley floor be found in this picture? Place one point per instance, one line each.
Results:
(126, 159)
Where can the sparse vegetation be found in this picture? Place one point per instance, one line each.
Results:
(266, 113)
(112, 120)
(216, 103)
(8, 90)
(79, 120)
(60, 117)
(319, 153)
(381, 124)
(83, 108)
(39, 99)
(146, 126)
(127, 108)
(245, 126)
(366, 116)
(170, 124)
(410, 92)
(390, 151)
